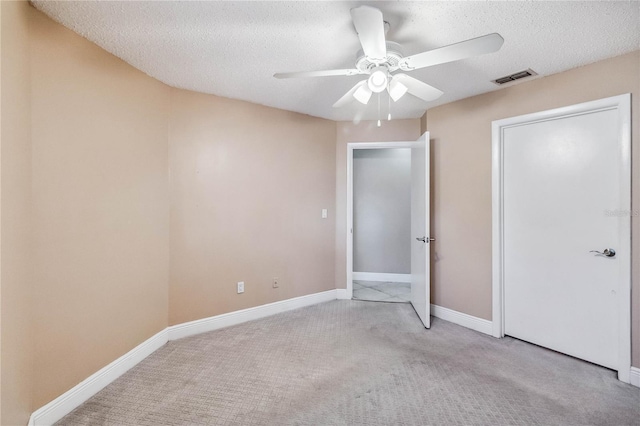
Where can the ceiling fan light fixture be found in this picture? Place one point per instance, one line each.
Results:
(397, 89)
(363, 94)
(378, 79)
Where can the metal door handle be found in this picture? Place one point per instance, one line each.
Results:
(425, 240)
(609, 252)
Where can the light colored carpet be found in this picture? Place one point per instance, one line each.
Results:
(359, 363)
(379, 291)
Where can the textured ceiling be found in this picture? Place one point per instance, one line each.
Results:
(232, 49)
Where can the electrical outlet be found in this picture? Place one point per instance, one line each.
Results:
(276, 282)
(240, 287)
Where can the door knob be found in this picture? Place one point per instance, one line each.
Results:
(609, 252)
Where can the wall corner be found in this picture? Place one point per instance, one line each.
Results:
(423, 123)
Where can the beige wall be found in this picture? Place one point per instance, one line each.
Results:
(365, 131)
(100, 207)
(461, 176)
(85, 211)
(0, 213)
(248, 184)
(16, 334)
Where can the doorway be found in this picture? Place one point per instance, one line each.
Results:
(398, 268)
(561, 231)
(382, 225)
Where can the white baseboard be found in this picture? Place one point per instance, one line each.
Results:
(465, 320)
(634, 376)
(486, 327)
(375, 276)
(68, 401)
(232, 318)
(342, 294)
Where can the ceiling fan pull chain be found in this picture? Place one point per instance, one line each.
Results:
(379, 123)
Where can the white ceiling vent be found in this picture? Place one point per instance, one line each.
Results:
(515, 76)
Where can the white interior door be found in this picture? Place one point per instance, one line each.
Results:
(563, 191)
(420, 245)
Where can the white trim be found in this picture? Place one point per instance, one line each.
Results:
(382, 145)
(375, 276)
(237, 317)
(634, 376)
(350, 147)
(342, 294)
(465, 320)
(68, 401)
(623, 104)
(497, 295)
(73, 398)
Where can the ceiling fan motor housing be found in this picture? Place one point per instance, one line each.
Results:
(394, 54)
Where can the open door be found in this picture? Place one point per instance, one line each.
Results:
(420, 239)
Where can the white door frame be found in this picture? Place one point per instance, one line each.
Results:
(350, 147)
(622, 104)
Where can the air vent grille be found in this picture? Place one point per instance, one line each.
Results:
(515, 76)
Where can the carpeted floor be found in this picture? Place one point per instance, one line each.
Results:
(359, 363)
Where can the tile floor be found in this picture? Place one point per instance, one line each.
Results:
(380, 291)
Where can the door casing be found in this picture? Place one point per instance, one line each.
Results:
(350, 147)
(622, 104)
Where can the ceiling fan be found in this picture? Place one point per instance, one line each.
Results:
(381, 60)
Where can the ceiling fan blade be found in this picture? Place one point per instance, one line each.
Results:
(326, 73)
(363, 94)
(369, 25)
(418, 88)
(465, 49)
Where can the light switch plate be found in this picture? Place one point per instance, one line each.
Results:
(240, 287)
(324, 213)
